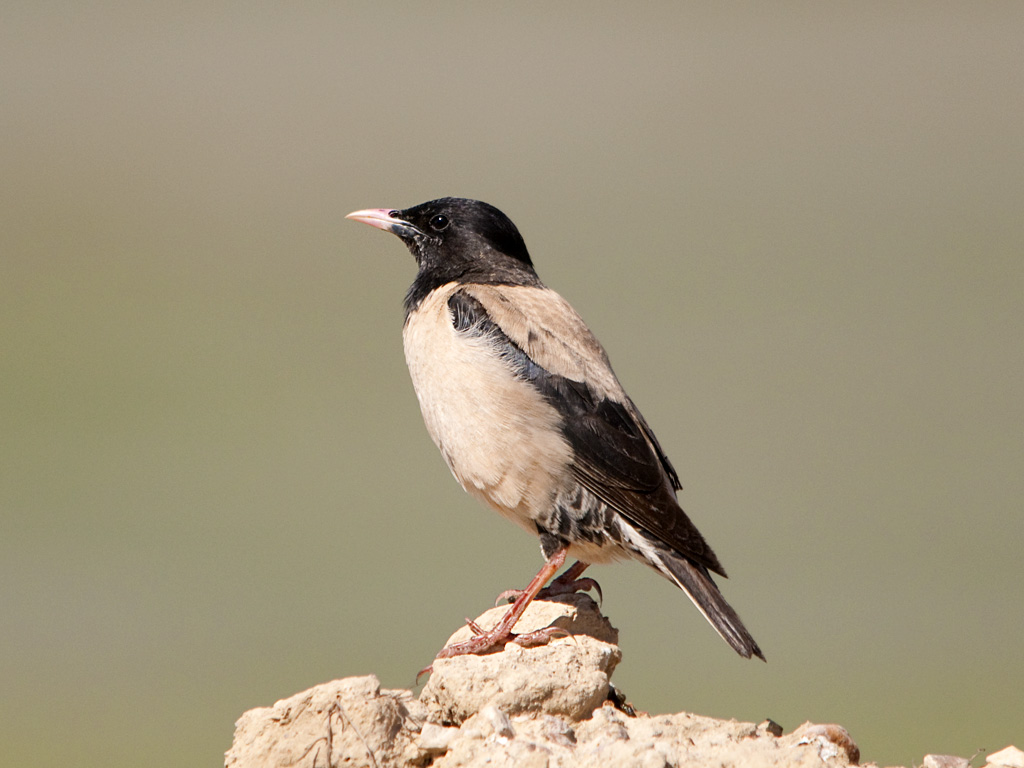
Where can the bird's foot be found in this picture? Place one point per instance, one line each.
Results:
(494, 640)
(526, 639)
(566, 584)
(491, 640)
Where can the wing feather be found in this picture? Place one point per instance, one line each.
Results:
(615, 454)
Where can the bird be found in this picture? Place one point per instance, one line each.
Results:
(521, 400)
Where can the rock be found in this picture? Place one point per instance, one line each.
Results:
(611, 738)
(436, 739)
(345, 722)
(577, 614)
(569, 676)
(1011, 757)
(945, 761)
(526, 708)
(495, 722)
(831, 741)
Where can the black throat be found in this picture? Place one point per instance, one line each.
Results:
(431, 277)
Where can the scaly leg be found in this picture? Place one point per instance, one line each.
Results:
(496, 638)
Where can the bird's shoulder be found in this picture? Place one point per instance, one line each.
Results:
(547, 329)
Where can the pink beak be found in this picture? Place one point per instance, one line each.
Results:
(375, 217)
(387, 219)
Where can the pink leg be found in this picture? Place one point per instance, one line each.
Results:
(495, 639)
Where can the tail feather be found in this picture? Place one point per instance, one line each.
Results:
(697, 583)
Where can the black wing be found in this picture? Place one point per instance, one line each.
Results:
(616, 456)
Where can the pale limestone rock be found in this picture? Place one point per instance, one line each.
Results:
(611, 738)
(1011, 757)
(831, 741)
(568, 676)
(945, 761)
(350, 722)
(497, 721)
(436, 739)
(544, 707)
(577, 614)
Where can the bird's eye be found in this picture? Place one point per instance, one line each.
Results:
(439, 222)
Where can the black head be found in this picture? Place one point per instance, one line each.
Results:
(454, 229)
(456, 240)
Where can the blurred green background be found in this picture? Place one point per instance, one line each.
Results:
(796, 228)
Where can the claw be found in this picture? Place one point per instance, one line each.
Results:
(559, 587)
(583, 585)
(567, 584)
(495, 639)
(509, 596)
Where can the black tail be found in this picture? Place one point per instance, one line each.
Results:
(697, 583)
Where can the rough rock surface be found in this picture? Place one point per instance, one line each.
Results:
(1011, 757)
(545, 707)
(567, 677)
(343, 722)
